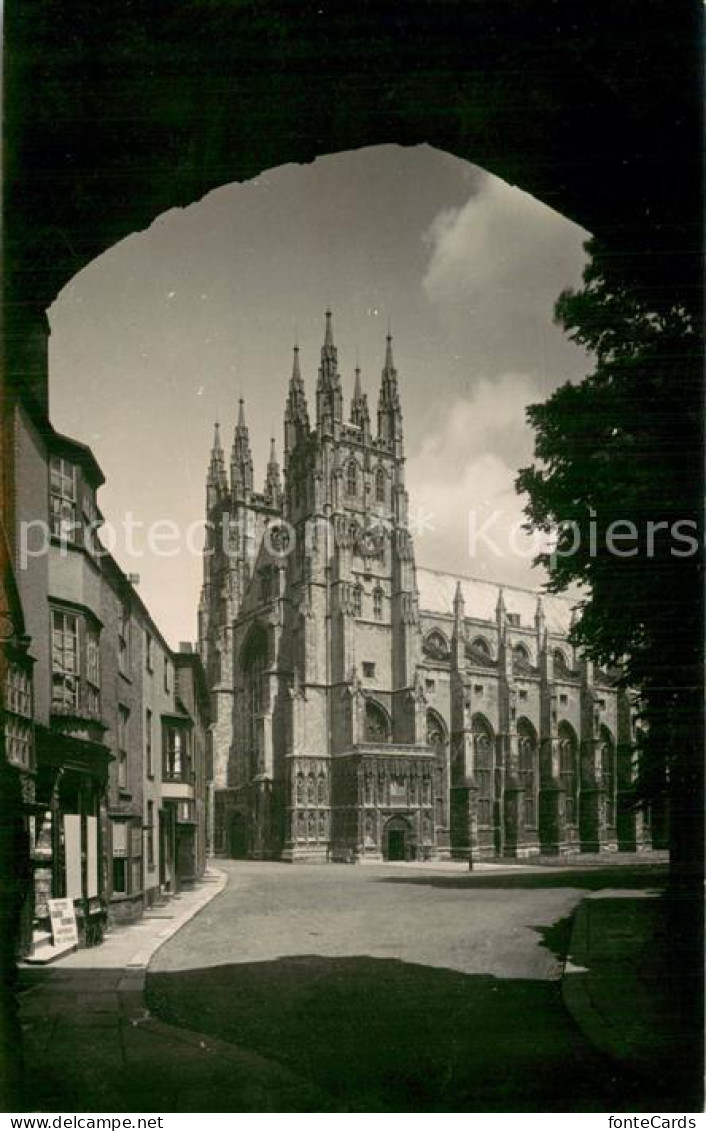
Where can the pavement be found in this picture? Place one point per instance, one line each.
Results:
(91, 1045)
(385, 988)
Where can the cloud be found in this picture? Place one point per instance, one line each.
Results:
(495, 268)
(491, 244)
(461, 484)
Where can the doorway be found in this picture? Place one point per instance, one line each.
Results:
(398, 841)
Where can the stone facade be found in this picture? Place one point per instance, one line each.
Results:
(365, 709)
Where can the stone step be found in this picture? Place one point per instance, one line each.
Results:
(48, 953)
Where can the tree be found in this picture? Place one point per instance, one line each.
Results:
(616, 484)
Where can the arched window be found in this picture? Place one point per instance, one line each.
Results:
(568, 771)
(608, 775)
(352, 478)
(378, 595)
(520, 656)
(377, 724)
(483, 759)
(527, 758)
(481, 645)
(436, 731)
(436, 646)
(436, 738)
(254, 664)
(380, 485)
(560, 665)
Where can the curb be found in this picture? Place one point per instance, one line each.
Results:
(142, 959)
(574, 986)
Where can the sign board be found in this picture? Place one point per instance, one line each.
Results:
(63, 922)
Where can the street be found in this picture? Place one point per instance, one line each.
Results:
(398, 988)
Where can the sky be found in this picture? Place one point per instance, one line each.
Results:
(157, 339)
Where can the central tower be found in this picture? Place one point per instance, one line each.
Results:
(328, 756)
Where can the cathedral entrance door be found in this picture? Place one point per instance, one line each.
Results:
(398, 842)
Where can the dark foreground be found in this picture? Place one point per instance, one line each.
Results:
(403, 989)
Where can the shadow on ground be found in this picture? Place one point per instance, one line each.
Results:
(592, 879)
(384, 1035)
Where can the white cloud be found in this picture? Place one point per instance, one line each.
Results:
(464, 477)
(501, 243)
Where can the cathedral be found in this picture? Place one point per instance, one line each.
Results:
(365, 708)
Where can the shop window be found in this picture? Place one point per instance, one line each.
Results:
(127, 858)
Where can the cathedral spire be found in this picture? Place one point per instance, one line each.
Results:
(459, 603)
(389, 409)
(216, 480)
(273, 483)
(296, 413)
(389, 362)
(360, 414)
(241, 478)
(329, 399)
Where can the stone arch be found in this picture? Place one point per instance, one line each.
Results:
(378, 725)
(609, 774)
(569, 771)
(436, 645)
(483, 766)
(254, 658)
(437, 736)
(528, 769)
(398, 839)
(481, 644)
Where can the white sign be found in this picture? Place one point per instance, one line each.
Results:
(63, 922)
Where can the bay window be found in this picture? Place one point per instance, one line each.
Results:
(75, 661)
(62, 486)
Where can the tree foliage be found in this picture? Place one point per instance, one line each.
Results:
(624, 447)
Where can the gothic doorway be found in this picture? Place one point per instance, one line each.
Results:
(398, 840)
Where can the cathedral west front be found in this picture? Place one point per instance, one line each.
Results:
(366, 708)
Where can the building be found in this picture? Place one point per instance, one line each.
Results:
(365, 709)
(104, 726)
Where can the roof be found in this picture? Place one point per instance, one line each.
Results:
(437, 589)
